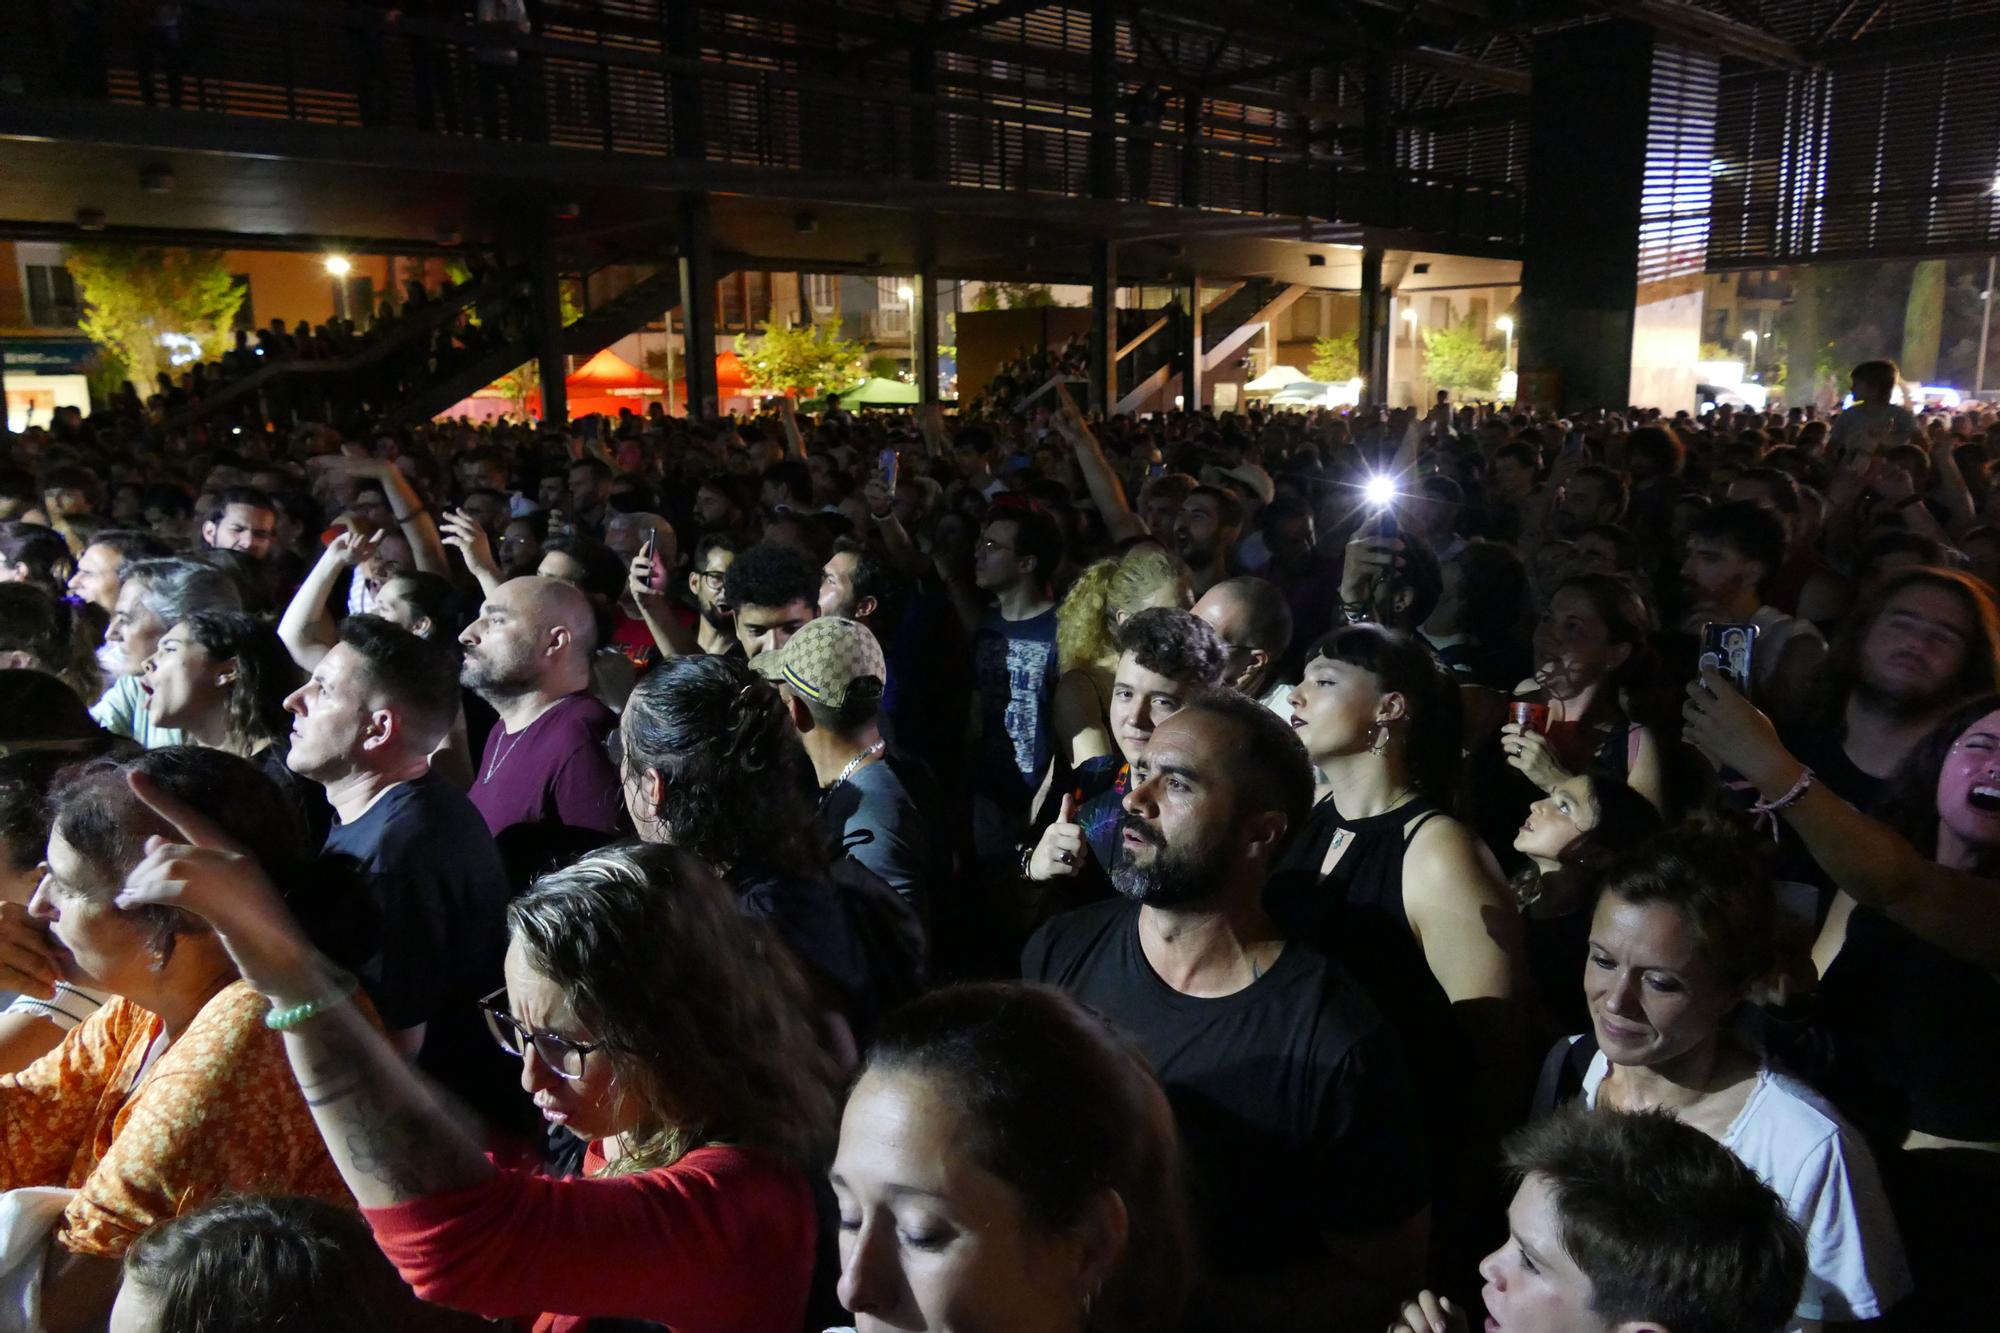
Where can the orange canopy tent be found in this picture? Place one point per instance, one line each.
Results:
(729, 383)
(608, 382)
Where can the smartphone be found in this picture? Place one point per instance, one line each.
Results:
(1730, 649)
(646, 549)
(885, 466)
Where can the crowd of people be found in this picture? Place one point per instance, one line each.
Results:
(1245, 872)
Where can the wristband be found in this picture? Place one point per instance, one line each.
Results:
(1027, 855)
(284, 1020)
(1769, 810)
(1357, 613)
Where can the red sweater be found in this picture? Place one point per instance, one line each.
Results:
(722, 1240)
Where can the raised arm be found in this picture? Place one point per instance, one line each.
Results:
(672, 638)
(1872, 863)
(309, 628)
(411, 516)
(1106, 492)
(788, 416)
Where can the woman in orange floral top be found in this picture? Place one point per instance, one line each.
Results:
(175, 1091)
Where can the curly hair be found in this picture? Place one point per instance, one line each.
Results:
(1112, 588)
(736, 787)
(1060, 1107)
(265, 676)
(1174, 643)
(706, 1018)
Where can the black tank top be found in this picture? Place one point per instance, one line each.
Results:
(1355, 915)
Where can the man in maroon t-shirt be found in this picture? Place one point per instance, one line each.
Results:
(528, 655)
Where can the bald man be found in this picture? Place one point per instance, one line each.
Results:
(528, 655)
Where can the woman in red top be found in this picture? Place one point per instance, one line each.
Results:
(655, 1021)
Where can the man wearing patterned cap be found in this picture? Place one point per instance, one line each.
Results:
(831, 674)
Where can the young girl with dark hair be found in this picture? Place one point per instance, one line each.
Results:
(1572, 838)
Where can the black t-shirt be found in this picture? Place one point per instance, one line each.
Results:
(441, 889)
(1290, 1094)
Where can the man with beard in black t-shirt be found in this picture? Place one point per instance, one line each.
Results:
(1289, 1090)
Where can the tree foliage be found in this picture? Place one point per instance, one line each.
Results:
(1458, 359)
(810, 359)
(1335, 360)
(1012, 296)
(135, 295)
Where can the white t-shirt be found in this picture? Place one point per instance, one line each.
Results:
(69, 1006)
(1775, 632)
(1813, 1160)
(1851, 427)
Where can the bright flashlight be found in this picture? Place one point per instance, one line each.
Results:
(1379, 491)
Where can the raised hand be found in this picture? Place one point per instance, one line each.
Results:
(200, 869)
(463, 531)
(1528, 751)
(1729, 730)
(27, 959)
(352, 548)
(1062, 849)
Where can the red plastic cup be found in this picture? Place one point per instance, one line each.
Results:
(1529, 714)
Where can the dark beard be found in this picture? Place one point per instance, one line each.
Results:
(1176, 877)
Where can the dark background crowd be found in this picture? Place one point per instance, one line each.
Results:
(1246, 871)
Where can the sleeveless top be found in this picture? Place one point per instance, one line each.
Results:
(1355, 915)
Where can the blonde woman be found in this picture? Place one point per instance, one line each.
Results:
(1104, 597)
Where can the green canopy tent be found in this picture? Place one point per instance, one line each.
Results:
(878, 392)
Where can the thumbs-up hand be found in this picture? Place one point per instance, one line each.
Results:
(1062, 848)
(201, 870)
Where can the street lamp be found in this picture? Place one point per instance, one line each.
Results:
(1506, 326)
(337, 268)
(1751, 336)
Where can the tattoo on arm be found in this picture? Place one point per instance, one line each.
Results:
(389, 1135)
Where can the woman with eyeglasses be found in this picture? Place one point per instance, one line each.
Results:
(174, 1092)
(653, 1019)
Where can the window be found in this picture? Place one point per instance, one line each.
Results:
(52, 302)
(821, 290)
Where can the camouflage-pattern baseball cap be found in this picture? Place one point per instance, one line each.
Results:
(824, 659)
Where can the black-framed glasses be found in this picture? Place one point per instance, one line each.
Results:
(713, 577)
(563, 1057)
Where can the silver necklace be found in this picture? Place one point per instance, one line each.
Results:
(493, 766)
(856, 762)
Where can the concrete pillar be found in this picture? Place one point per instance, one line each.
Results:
(1190, 350)
(1601, 94)
(924, 330)
(697, 265)
(1371, 331)
(549, 336)
(1103, 325)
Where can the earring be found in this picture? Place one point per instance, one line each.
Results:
(1378, 740)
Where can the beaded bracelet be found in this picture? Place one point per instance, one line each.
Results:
(284, 1020)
